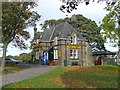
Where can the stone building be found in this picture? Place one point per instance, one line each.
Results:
(64, 45)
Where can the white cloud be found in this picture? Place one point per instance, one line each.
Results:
(49, 9)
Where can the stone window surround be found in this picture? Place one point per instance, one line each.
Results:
(55, 52)
(73, 53)
(74, 39)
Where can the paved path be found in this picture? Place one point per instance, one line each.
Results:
(25, 74)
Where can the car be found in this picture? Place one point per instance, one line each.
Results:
(11, 61)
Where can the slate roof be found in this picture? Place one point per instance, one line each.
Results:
(64, 28)
(46, 35)
(80, 37)
(61, 30)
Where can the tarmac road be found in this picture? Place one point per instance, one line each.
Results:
(33, 70)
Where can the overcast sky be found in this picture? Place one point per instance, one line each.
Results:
(49, 9)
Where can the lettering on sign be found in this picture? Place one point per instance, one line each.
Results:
(37, 44)
(73, 46)
(36, 49)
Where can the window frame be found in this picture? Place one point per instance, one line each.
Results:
(73, 53)
(74, 39)
(55, 53)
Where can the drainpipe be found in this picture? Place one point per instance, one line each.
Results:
(82, 53)
(65, 50)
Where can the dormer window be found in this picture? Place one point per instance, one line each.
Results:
(74, 39)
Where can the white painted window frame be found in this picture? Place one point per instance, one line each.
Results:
(55, 54)
(74, 54)
(74, 39)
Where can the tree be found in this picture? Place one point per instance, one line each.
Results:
(25, 57)
(16, 16)
(70, 5)
(88, 28)
(0, 22)
(111, 22)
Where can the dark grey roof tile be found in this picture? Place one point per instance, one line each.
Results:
(46, 34)
(61, 30)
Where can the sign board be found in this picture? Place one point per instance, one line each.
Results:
(73, 46)
(59, 53)
(36, 49)
(37, 44)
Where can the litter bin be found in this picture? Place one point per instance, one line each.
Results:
(43, 62)
(98, 62)
(65, 62)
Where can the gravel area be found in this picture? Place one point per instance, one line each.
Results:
(33, 70)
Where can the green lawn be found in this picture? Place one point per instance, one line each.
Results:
(12, 69)
(73, 77)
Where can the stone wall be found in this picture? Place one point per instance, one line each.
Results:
(109, 61)
(88, 54)
(118, 58)
(84, 52)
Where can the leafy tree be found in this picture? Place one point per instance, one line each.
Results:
(22, 57)
(70, 5)
(25, 57)
(0, 22)
(111, 22)
(16, 16)
(88, 28)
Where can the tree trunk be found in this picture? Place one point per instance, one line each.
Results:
(3, 57)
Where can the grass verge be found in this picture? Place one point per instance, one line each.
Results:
(73, 77)
(10, 69)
